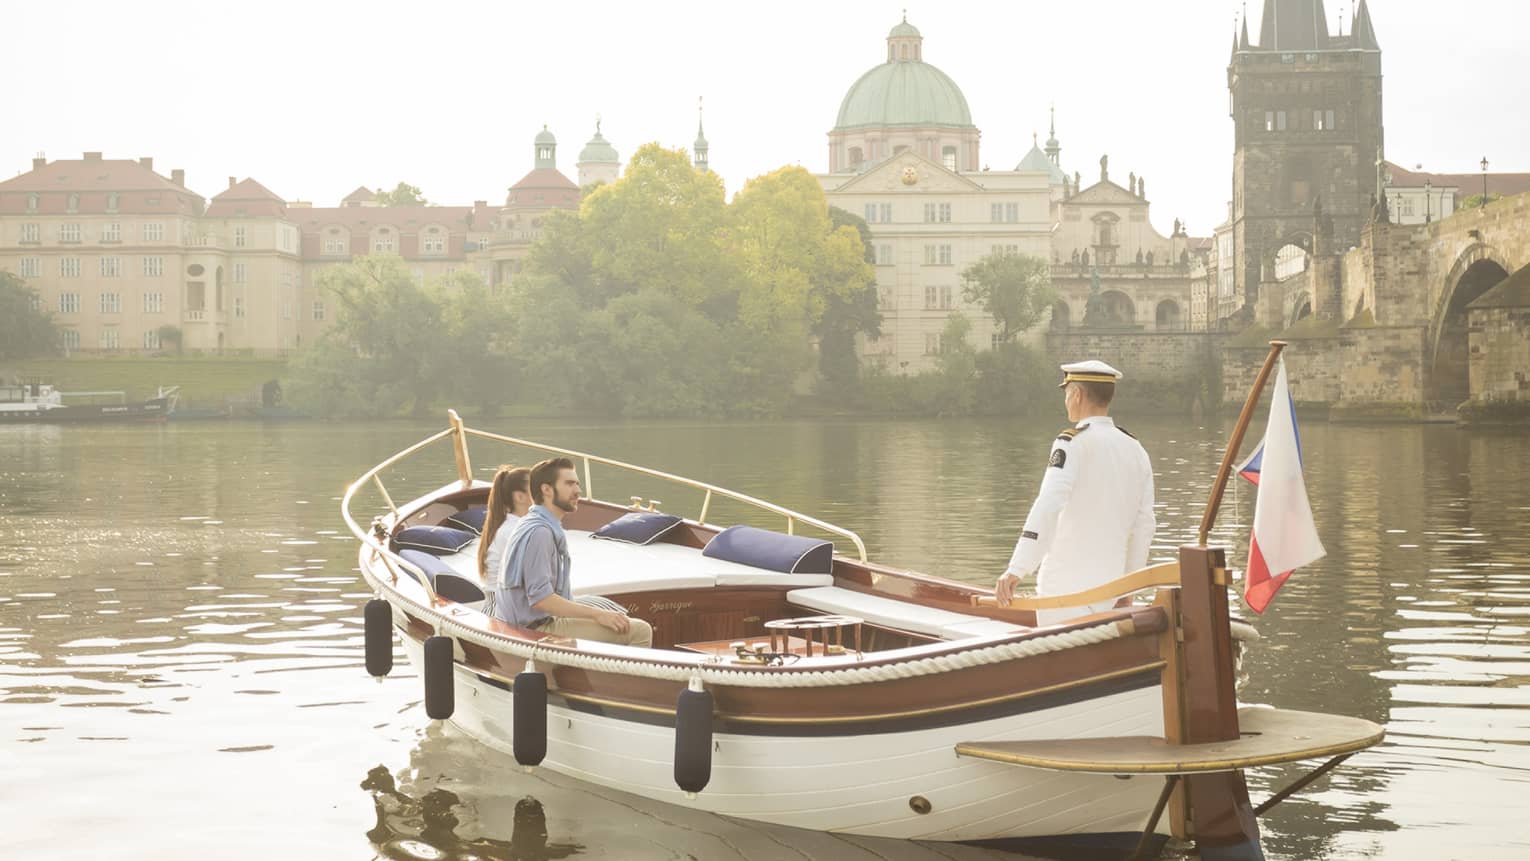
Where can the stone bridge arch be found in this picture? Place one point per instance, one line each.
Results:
(1475, 271)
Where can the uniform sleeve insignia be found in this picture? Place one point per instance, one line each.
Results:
(1069, 433)
(1059, 457)
(1028, 534)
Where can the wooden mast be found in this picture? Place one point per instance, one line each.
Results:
(1204, 705)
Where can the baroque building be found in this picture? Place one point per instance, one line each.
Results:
(905, 155)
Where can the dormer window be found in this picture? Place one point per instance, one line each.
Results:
(74, 203)
(111, 202)
(32, 201)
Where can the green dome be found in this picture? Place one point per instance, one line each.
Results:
(598, 150)
(545, 137)
(1037, 161)
(904, 28)
(904, 93)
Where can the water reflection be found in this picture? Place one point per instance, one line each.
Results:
(412, 829)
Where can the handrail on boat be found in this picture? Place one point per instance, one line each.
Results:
(792, 517)
(365, 536)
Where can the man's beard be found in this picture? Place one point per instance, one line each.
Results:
(567, 505)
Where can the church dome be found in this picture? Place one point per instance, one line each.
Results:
(598, 150)
(904, 91)
(545, 137)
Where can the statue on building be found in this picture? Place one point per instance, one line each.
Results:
(1131, 181)
(1078, 182)
(1084, 258)
(1075, 257)
(1139, 256)
(1150, 258)
(1104, 167)
(1184, 257)
(1142, 187)
(1095, 313)
(1176, 228)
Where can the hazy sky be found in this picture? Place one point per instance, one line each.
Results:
(315, 98)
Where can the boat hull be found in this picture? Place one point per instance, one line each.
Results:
(150, 410)
(847, 779)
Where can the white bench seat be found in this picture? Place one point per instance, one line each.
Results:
(603, 567)
(902, 615)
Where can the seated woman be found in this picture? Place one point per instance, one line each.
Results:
(536, 592)
(509, 498)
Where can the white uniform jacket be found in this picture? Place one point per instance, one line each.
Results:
(1092, 520)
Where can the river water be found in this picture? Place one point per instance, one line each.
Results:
(180, 635)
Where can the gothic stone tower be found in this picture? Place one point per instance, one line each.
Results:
(1306, 109)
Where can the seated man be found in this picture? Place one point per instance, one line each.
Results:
(537, 592)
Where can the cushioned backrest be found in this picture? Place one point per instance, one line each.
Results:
(773, 551)
(601, 603)
(470, 519)
(431, 565)
(638, 527)
(455, 588)
(439, 540)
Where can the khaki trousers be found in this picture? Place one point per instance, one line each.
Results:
(639, 634)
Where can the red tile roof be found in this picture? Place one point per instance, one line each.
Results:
(545, 178)
(1506, 184)
(139, 189)
(247, 198)
(362, 194)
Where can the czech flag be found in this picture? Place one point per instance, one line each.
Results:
(1285, 537)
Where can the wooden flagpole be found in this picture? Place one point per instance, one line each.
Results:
(1236, 442)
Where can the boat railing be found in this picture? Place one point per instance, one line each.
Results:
(709, 491)
(459, 434)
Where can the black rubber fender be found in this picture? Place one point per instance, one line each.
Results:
(529, 730)
(378, 618)
(440, 689)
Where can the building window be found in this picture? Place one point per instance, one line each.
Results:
(111, 202)
(996, 212)
(69, 303)
(1328, 119)
(945, 255)
(70, 338)
(31, 267)
(937, 213)
(111, 267)
(948, 158)
(74, 203)
(154, 231)
(929, 255)
(32, 201)
(382, 242)
(884, 212)
(945, 213)
(153, 303)
(108, 339)
(238, 237)
(154, 266)
(334, 245)
(995, 341)
(31, 233)
(435, 245)
(1269, 121)
(69, 267)
(151, 339)
(69, 232)
(871, 213)
(238, 306)
(1280, 121)
(1012, 212)
(945, 298)
(884, 255)
(111, 232)
(318, 311)
(286, 309)
(929, 213)
(930, 298)
(1004, 249)
(111, 303)
(932, 343)
(241, 273)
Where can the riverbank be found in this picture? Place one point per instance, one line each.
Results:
(205, 382)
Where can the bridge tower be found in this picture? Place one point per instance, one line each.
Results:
(1306, 110)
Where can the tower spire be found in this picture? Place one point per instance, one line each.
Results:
(701, 147)
(1053, 147)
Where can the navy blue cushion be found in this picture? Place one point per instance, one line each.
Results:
(638, 527)
(773, 551)
(431, 565)
(439, 540)
(472, 519)
(454, 587)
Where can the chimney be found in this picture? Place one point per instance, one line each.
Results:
(92, 156)
(147, 162)
(39, 162)
(232, 181)
(178, 177)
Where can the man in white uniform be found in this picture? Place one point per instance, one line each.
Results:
(1092, 520)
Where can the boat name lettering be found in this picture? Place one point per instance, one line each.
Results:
(662, 606)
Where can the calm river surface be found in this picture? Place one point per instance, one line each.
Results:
(181, 652)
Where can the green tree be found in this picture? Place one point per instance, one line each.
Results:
(956, 369)
(402, 194)
(399, 344)
(1475, 201)
(1015, 289)
(26, 330)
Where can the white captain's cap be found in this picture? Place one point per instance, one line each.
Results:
(1092, 371)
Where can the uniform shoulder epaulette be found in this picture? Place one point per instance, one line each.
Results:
(1069, 433)
(1125, 431)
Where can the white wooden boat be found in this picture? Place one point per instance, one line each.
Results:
(900, 731)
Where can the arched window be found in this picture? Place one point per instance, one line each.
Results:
(1290, 260)
(1061, 316)
(948, 158)
(74, 203)
(857, 158)
(1167, 316)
